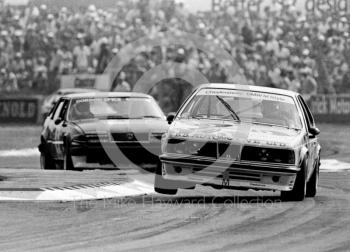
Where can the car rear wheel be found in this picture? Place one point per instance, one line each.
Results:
(162, 185)
(299, 190)
(311, 187)
(46, 162)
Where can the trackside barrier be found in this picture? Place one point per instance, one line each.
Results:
(330, 108)
(20, 109)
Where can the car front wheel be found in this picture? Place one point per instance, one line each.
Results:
(162, 185)
(299, 190)
(46, 162)
(311, 187)
(67, 160)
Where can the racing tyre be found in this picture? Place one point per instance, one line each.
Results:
(311, 187)
(162, 185)
(165, 191)
(299, 190)
(46, 162)
(67, 161)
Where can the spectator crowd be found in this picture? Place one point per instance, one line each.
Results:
(279, 46)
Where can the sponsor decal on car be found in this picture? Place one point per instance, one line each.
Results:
(246, 94)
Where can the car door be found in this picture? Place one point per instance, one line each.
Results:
(47, 126)
(311, 139)
(53, 127)
(60, 130)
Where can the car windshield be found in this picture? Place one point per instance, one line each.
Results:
(248, 106)
(114, 108)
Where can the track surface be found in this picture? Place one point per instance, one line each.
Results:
(200, 220)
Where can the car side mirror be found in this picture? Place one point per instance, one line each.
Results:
(58, 121)
(314, 131)
(170, 117)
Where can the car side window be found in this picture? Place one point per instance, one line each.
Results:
(64, 109)
(54, 108)
(58, 109)
(309, 118)
(194, 107)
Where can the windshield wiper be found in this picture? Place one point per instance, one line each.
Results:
(117, 117)
(142, 117)
(150, 116)
(276, 125)
(229, 108)
(197, 117)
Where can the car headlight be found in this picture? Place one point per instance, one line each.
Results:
(156, 137)
(97, 137)
(174, 145)
(91, 138)
(260, 154)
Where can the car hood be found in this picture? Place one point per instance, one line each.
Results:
(243, 133)
(123, 125)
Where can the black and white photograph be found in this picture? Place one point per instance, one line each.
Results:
(175, 125)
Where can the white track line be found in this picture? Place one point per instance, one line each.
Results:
(29, 152)
(333, 165)
(134, 188)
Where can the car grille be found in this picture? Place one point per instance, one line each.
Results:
(229, 173)
(130, 137)
(134, 153)
(202, 148)
(228, 151)
(234, 175)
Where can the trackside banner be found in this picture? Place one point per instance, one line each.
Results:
(20, 109)
(330, 108)
(99, 82)
(308, 7)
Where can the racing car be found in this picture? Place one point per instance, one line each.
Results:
(241, 137)
(102, 130)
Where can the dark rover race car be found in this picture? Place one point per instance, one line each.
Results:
(241, 137)
(102, 130)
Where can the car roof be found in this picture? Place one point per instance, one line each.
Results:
(63, 91)
(249, 87)
(107, 94)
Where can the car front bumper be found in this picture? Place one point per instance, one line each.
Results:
(228, 173)
(113, 155)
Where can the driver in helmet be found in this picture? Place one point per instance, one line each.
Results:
(273, 113)
(81, 111)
